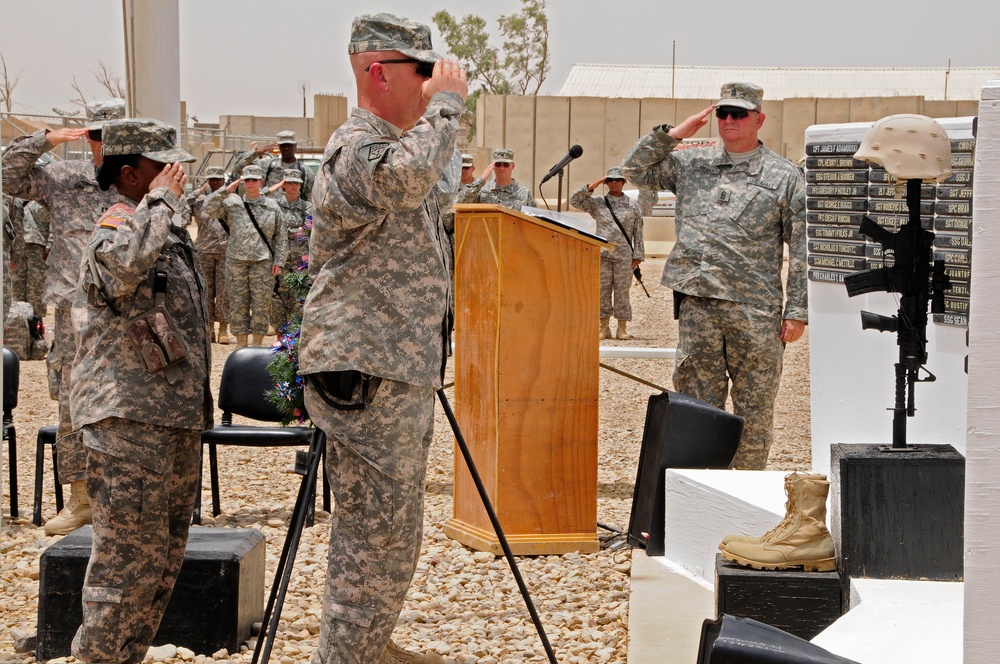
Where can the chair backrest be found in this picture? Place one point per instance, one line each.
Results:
(11, 380)
(245, 381)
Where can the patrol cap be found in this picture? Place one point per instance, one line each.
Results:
(468, 160)
(615, 173)
(101, 111)
(285, 137)
(390, 32)
(503, 156)
(292, 175)
(150, 138)
(252, 172)
(215, 173)
(741, 95)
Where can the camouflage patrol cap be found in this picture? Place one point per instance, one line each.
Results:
(292, 175)
(215, 173)
(150, 138)
(389, 32)
(615, 173)
(101, 111)
(468, 160)
(503, 156)
(252, 172)
(741, 95)
(286, 137)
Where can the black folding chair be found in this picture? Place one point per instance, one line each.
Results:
(245, 380)
(11, 382)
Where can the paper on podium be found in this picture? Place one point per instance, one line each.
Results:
(583, 223)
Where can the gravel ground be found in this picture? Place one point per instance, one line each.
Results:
(462, 604)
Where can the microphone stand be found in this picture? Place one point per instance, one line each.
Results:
(559, 199)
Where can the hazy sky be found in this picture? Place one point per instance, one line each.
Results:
(252, 56)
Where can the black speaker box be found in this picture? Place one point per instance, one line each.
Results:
(680, 432)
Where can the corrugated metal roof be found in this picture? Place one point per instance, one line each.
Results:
(637, 81)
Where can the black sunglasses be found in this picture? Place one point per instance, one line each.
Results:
(425, 69)
(94, 135)
(734, 113)
(610, 180)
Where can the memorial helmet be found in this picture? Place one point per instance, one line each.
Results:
(909, 147)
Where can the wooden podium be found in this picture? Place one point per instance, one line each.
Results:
(527, 298)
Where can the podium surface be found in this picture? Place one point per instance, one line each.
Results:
(526, 381)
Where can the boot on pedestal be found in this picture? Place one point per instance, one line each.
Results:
(790, 509)
(76, 513)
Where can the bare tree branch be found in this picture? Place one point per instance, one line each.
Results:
(81, 100)
(109, 80)
(7, 85)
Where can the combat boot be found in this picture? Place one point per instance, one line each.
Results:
(801, 540)
(241, 341)
(76, 513)
(258, 340)
(393, 654)
(620, 333)
(224, 338)
(605, 328)
(789, 511)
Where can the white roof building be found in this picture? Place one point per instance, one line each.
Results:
(665, 81)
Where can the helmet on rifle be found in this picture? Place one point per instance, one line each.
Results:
(909, 147)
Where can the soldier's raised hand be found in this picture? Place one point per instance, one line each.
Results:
(448, 77)
(692, 124)
(64, 134)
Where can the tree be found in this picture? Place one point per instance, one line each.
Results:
(111, 82)
(524, 63)
(7, 85)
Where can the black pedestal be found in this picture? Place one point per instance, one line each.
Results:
(800, 603)
(218, 596)
(898, 514)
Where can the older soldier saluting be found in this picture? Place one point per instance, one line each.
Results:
(140, 390)
(69, 190)
(736, 206)
(376, 325)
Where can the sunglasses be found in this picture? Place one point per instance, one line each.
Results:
(610, 180)
(94, 135)
(734, 113)
(425, 69)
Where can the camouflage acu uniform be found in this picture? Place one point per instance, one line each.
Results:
(616, 265)
(732, 220)
(296, 214)
(142, 430)
(274, 170)
(211, 243)
(249, 282)
(68, 189)
(36, 239)
(648, 199)
(17, 265)
(8, 239)
(378, 305)
(513, 196)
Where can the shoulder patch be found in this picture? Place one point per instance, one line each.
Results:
(115, 215)
(373, 151)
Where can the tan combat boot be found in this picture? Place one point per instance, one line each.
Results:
(801, 540)
(393, 654)
(789, 511)
(241, 341)
(224, 338)
(258, 340)
(76, 513)
(605, 328)
(620, 333)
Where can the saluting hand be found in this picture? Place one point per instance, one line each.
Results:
(448, 77)
(172, 177)
(691, 125)
(64, 134)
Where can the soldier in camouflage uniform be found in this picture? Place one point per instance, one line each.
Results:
(37, 222)
(503, 189)
(628, 252)
(376, 325)
(68, 189)
(736, 206)
(251, 262)
(297, 212)
(17, 265)
(141, 424)
(8, 240)
(212, 242)
(274, 167)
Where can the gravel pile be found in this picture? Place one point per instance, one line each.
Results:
(463, 604)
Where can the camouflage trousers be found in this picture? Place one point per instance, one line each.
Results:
(722, 341)
(72, 456)
(377, 461)
(616, 279)
(284, 305)
(249, 285)
(214, 267)
(142, 510)
(29, 279)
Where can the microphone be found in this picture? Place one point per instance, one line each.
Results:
(573, 153)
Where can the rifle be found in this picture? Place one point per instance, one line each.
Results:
(638, 277)
(911, 275)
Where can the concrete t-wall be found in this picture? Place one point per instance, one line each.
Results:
(606, 128)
